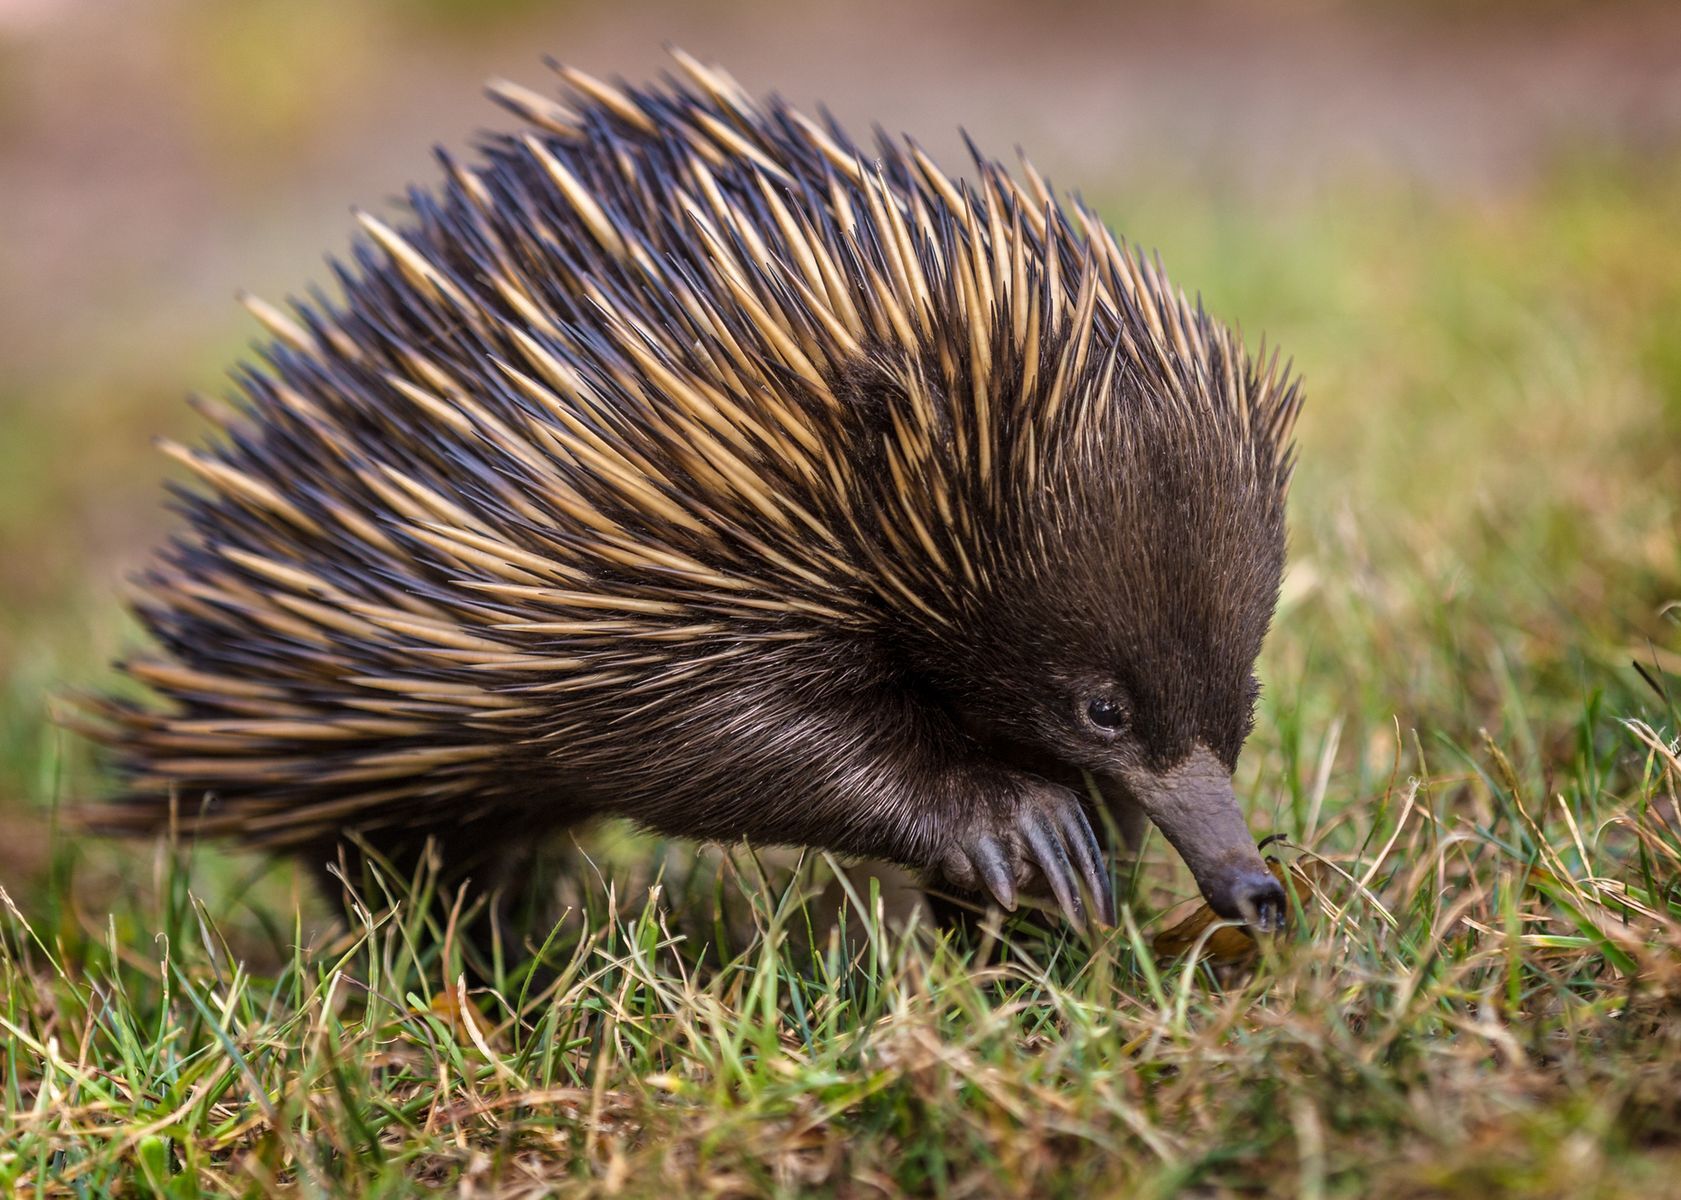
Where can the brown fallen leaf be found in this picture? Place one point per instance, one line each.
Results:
(446, 1006)
(1233, 943)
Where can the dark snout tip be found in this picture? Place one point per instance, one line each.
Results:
(1254, 897)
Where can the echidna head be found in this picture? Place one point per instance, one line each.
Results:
(1125, 643)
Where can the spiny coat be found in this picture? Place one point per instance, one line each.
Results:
(682, 461)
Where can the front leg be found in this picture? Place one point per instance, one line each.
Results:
(1039, 836)
(799, 752)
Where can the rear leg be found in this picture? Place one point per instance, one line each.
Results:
(483, 880)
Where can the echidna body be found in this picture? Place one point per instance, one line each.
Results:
(683, 462)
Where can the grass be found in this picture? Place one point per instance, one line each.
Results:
(1475, 789)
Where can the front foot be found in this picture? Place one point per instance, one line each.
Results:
(1040, 838)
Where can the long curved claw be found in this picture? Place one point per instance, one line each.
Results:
(1051, 855)
(1088, 856)
(993, 866)
(1044, 836)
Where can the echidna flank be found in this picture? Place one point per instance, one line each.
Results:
(681, 460)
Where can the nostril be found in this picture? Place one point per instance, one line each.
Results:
(1255, 897)
(1264, 905)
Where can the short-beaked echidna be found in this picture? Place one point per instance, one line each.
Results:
(683, 461)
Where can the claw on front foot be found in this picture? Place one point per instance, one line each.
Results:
(993, 865)
(1043, 839)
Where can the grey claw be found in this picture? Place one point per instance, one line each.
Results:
(994, 869)
(1052, 858)
(1077, 832)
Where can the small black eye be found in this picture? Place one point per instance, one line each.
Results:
(1105, 713)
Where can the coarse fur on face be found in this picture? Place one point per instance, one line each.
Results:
(1132, 636)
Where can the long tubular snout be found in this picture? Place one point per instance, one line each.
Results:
(1195, 808)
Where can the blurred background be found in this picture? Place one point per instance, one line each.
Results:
(1462, 219)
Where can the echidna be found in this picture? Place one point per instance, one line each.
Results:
(683, 461)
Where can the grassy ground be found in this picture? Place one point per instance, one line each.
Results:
(1480, 994)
